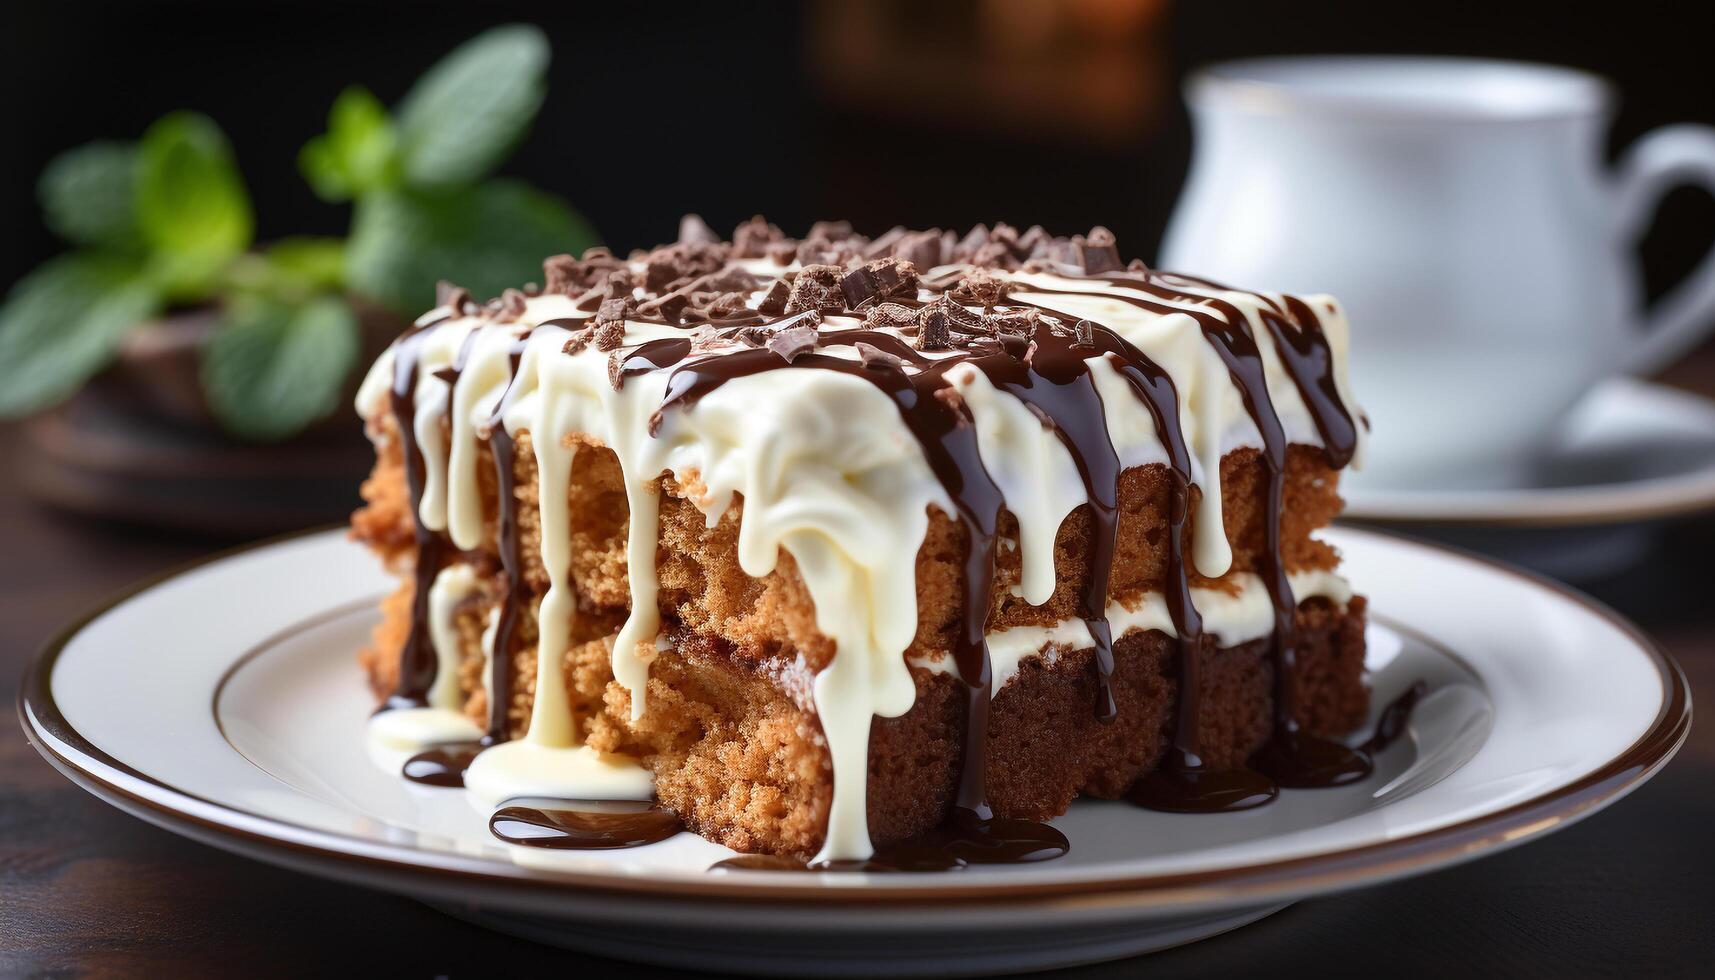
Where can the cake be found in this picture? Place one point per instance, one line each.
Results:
(823, 542)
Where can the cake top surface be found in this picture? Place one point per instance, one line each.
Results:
(845, 388)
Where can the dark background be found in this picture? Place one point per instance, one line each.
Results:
(798, 111)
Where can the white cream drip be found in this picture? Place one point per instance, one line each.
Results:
(1230, 618)
(443, 719)
(829, 474)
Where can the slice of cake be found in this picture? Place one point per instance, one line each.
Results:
(829, 539)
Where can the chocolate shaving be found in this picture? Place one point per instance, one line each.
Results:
(1084, 334)
(754, 336)
(512, 304)
(1017, 323)
(455, 298)
(871, 356)
(782, 253)
(610, 336)
(616, 370)
(795, 337)
(774, 301)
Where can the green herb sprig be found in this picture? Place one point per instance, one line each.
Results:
(166, 223)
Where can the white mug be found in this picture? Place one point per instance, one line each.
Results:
(1462, 213)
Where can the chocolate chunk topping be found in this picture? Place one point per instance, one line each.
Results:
(796, 336)
(1020, 323)
(889, 316)
(511, 304)
(671, 307)
(833, 231)
(816, 287)
(694, 230)
(1097, 252)
(882, 279)
(921, 248)
(577, 342)
(751, 239)
(454, 298)
(934, 329)
(782, 253)
(872, 356)
(563, 275)
(774, 302)
(731, 279)
(981, 288)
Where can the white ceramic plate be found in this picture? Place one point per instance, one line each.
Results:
(224, 703)
(1631, 451)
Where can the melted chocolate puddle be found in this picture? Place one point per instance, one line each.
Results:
(442, 765)
(965, 838)
(583, 830)
(1394, 718)
(1182, 788)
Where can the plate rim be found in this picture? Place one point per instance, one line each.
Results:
(1585, 505)
(118, 784)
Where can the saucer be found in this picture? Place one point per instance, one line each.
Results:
(1632, 451)
(225, 703)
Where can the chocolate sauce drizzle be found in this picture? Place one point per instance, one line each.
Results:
(417, 664)
(501, 444)
(1046, 367)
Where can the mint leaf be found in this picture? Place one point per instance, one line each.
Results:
(274, 368)
(61, 324)
(191, 204)
(358, 153)
(88, 195)
(468, 112)
(484, 238)
(308, 263)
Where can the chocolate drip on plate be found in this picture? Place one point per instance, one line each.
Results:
(963, 839)
(584, 829)
(443, 765)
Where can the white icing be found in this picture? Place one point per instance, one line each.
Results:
(525, 768)
(414, 729)
(831, 476)
(453, 585)
(443, 720)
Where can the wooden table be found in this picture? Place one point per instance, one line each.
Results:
(85, 888)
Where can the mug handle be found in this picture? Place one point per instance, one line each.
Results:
(1657, 163)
